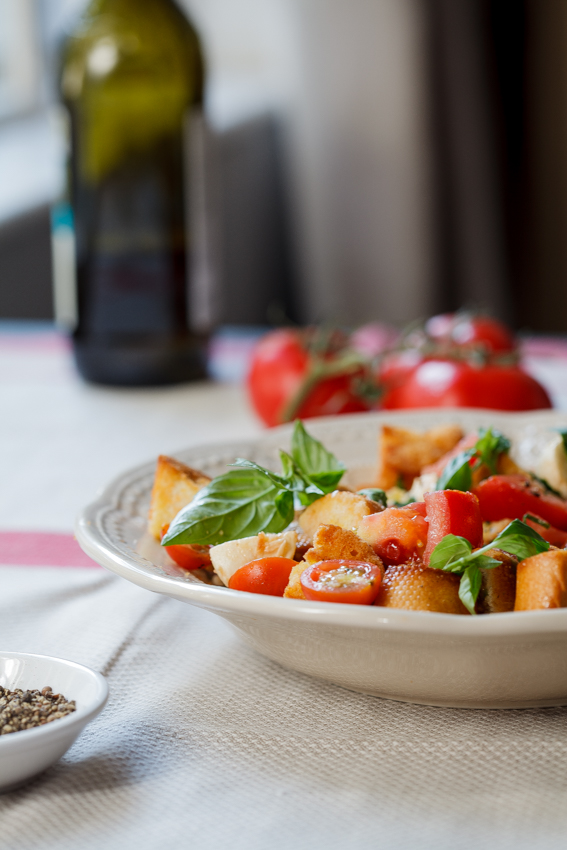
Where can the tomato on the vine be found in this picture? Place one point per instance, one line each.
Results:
(465, 329)
(292, 375)
(455, 383)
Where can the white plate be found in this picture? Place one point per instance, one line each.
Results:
(496, 661)
(29, 752)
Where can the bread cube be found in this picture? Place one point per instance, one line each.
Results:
(541, 581)
(498, 589)
(175, 485)
(294, 589)
(403, 454)
(341, 508)
(417, 588)
(228, 557)
(331, 543)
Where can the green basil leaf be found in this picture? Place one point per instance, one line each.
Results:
(563, 435)
(305, 492)
(520, 540)
(327, 481)
(489, 446)
(484, 562)
(375, 495)
(285, 505)
(277, 480)
(457, 475)
(469, 587)
(240, 503)
(450, 553)
(288, 466)
(545, 484)
(536, 519)
(320, 466)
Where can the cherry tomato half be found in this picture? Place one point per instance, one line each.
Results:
(451, 383)
(187, 557)
(349, 581)
(269, 576)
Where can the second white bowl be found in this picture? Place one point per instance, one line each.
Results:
(26, 753)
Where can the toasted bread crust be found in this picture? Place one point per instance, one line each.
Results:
(542, 581)
(340, 508)
(404, 454)
(417, 588)
(331, 543)
(498, 589)
(294, 589)
(175, 485)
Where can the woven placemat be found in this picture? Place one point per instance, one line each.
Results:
(208, 745)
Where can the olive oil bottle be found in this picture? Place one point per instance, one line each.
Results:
(131, 82)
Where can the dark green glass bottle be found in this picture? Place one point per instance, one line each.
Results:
(132, 77)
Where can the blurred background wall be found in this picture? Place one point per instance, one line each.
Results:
(370, 159)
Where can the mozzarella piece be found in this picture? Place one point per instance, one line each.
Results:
(228, 557)
(553, 465)
(426, 483)
(544, 454)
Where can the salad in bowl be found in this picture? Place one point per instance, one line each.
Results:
(451, 521)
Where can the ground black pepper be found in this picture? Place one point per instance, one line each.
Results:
(27, 709)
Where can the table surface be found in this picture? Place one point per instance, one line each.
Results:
(202, 739)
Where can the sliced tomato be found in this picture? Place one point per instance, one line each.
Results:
(397, 535)
(269, 576)
(503, 496)
(415, 509)
(355, 582)
(552, 535)
(187, 557)
(452, 512)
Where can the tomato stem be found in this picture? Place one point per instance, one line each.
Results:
(319, 370)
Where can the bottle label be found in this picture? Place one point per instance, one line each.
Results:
(63, 247)
(63, 258)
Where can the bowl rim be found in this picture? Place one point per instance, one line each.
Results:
(64, 726)
(224, 600)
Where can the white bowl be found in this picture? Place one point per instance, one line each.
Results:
(26, 753)
(495, 661)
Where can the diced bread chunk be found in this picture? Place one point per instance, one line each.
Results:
(175, 485)
(490, 530)
(541, 581)
(340, 508)
(417, 588)
(331, 543)
(403, 454)
(294, 589)
(498, 588)
(228, 557)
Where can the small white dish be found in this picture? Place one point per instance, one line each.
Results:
(511, 660)
(29, 752)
